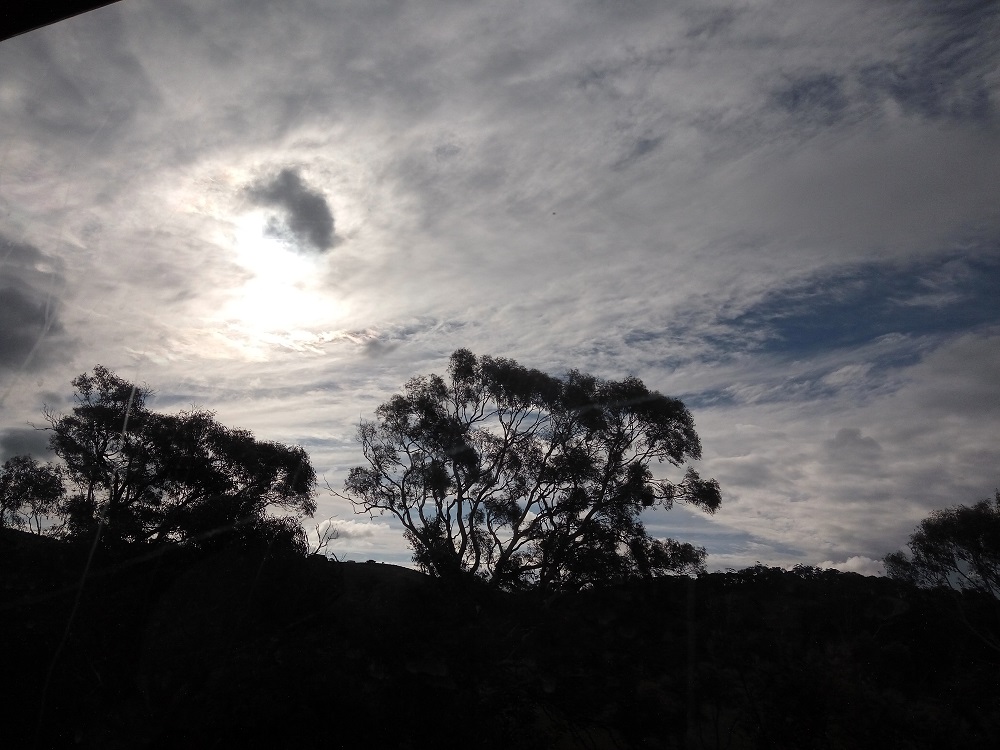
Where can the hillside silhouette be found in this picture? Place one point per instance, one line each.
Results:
(192, 648)
(176, 604)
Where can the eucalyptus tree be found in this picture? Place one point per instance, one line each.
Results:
(958, 548)
(527, 480)
(29, 492)
(137, 475)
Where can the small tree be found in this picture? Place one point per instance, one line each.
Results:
(530, 481)
(956, 547)
(29, 491)
(142, 476)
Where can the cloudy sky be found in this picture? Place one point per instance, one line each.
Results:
(786, 214)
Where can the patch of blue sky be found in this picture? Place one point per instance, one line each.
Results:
(856, 306)
(881, 315)
(814, 385)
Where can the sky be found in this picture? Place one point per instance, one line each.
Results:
(786, 214)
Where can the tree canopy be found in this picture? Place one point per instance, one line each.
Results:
(141, 476)
(526, 480)
(958, 547)
(29, 491)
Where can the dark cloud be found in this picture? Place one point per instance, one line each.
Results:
(20, 441)
(375, 348)
(850, 447)
(24, 322)
(949, 73)
(748, 473)
(640, 148)
(709, 22)
(960, 379)
(818, 97)
(31, 334)
(305, 216)
(93, 86)
(446, 151)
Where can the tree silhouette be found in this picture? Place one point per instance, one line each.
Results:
(957, 547)
(29, 491)
(141, 476)
(530, 481)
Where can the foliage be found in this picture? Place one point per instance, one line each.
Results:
(143, 476)
(957, 547)
(29, 491)
(530, 481)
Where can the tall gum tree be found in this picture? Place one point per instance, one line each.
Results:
(529, 481)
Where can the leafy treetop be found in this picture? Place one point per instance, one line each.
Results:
(527, 480)
(29, 491)
(957, 547)
(142, 476)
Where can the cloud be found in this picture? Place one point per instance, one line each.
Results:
(818, 96)
(852, 449)
(866, 566)
(946, 74)
(918, 437)
(349, 529)
(959, 379)
(351, 540)
(31, 330)
(781, 213)
(24, 324)
(305, 217)
(81, 95)
(638, 150)
(902, 190)
(376, 348)
(856, 303)
(18, 441)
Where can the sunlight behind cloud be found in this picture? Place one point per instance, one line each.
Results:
(281, 301)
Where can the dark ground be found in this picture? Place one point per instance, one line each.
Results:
(164, 649)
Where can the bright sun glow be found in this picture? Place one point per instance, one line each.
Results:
(284, 295)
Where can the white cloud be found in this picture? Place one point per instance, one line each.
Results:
(857, 564)
(349, 529)
(593, 186)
